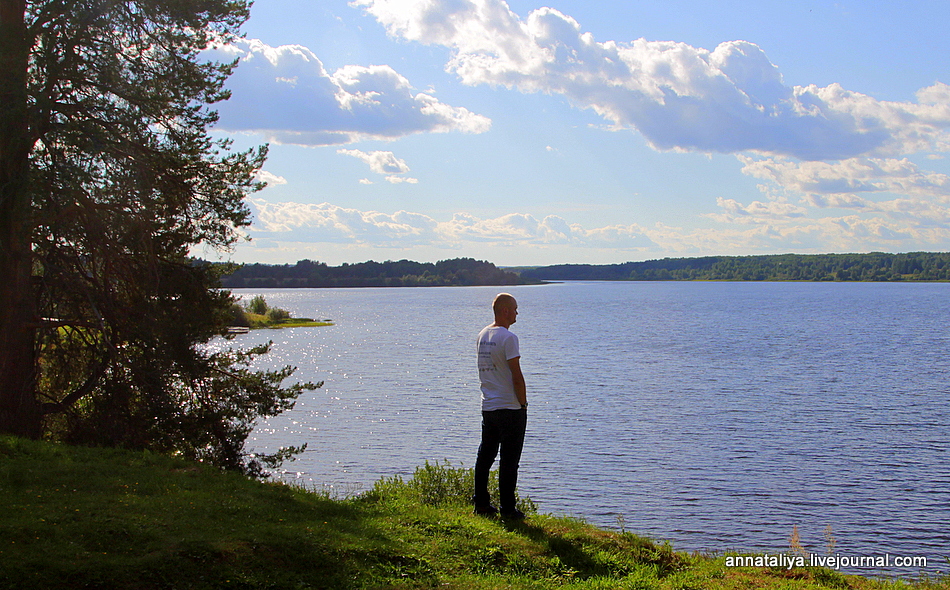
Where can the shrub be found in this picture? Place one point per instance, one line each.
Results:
(276, 314)
(257, 305)
(239, 316)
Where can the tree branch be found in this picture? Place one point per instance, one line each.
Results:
(80, 392)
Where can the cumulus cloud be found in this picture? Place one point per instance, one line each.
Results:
(385, 163)
(731, 99)
(286, 94)
(296, 222)
(858, 204)
(757, 211)
(766, 227)
(270, 178)
(379, 162)
(401, 180)
(327, 223)
(846, 233)
(894, 193)
(818, 150)
(854, 175)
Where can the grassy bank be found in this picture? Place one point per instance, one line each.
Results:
(92, 518)
(256, 321)
(257, 314)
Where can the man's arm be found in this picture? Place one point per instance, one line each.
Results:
(517, 379)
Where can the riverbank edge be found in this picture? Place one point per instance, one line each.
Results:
(106, 518)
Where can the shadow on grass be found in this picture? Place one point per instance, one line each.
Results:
(100, 518)
(590, 555)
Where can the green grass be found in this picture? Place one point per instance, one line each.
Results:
(258, 321)
(98, 518)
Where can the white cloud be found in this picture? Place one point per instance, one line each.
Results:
(757, 211)
(270, 178)
(760, 227)
(385, 163)
(296, 222)
(327, 223)
(402, 179)
(894, 193)
(885, 204)
(731, 99)
(848, 233)
(379, 162)
(286, 94)
(854, 175)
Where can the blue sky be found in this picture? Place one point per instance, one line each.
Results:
(574, 131)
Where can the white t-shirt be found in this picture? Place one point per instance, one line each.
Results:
(496, 346)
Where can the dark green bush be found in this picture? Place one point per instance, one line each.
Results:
(257, 305)
(239, 316)
(276, 314)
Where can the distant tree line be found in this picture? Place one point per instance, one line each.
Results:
(875, 266)
(402, 273)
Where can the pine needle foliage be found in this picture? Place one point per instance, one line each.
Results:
(109, 177)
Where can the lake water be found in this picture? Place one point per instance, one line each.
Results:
(717, 416)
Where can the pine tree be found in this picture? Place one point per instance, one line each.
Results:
(109, 176)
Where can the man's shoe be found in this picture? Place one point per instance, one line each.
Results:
(487, 510)
(512, 514)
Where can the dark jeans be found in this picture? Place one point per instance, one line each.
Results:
(502, 429)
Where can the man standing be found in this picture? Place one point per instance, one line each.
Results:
(504, 409)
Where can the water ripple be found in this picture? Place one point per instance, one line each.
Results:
(714, 415)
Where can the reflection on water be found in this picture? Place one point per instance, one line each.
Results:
(714, 415)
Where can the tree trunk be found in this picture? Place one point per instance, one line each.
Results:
(20, 411)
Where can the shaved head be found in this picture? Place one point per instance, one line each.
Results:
(503, 301)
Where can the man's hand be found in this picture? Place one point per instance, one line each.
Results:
(517, 379)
